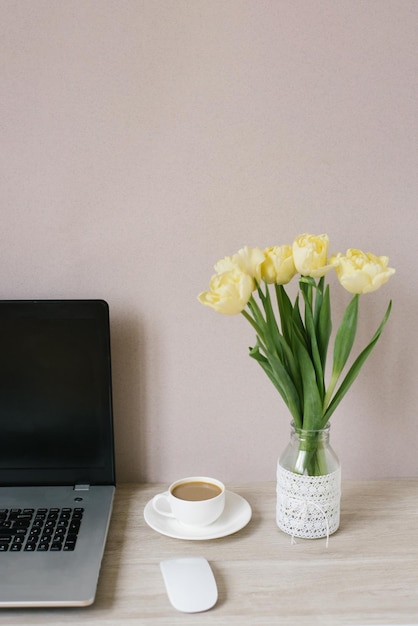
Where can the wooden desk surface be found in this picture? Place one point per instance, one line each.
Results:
(367, 575)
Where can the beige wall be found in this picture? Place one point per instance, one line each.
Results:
(144, 140)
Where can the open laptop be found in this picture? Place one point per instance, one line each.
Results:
(57, 477)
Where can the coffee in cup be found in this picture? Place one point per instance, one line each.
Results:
(193, 501)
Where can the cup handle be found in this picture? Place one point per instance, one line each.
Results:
(159, 498)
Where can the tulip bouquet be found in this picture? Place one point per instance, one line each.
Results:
(292, 338)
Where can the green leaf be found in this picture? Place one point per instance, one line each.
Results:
(281, 380)
(355, 369)
(273, 335)
(285, 311)
(313, 344)
(257, 316)
(297, 325)
(276, 350)
(319, 295)
(345, 337)
(312, 402)
(276, 343)
(324, 326)
(289, 362)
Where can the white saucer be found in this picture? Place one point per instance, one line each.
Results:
(236, 515)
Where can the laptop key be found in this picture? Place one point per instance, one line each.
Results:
(42, 547)
(30, 547)
(15, 547)
(5, 524)
(45, 540)
(5, 539)
(18, 540)
(38, 523)
(63, 524)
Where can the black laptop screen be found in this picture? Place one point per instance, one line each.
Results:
(55, 393)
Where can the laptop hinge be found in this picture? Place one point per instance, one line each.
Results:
(81, 487)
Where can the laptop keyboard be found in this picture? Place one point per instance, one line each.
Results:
(39, 530)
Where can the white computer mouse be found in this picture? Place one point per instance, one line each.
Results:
(190, 584)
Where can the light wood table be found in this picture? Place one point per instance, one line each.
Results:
(367, 575)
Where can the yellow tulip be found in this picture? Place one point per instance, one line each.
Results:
(361, 272)
(229, 292)
(310, 255)
(247, 260)
(278, 266)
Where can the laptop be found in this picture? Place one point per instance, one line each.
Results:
(57, 475)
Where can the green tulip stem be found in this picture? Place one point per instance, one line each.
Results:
(253, 323)
(311, 458)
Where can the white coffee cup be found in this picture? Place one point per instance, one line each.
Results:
(193, 501)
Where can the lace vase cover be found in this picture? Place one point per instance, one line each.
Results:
(308, 506)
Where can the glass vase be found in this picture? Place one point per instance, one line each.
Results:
(308, 485)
